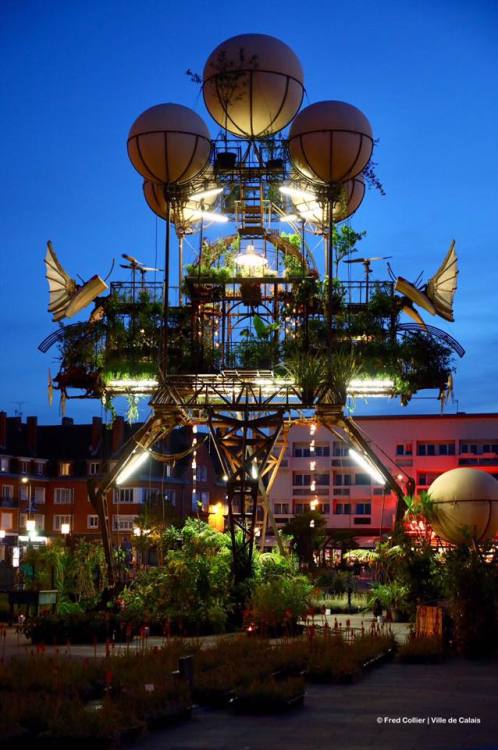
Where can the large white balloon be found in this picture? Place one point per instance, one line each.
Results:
(465, 505)
(253, 85)
(169, 144)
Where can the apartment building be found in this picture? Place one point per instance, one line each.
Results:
(44, 472)
(318, 472)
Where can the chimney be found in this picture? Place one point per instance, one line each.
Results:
(32, 427)
(67, 421)
(3, 429)
(118, 427)
(96, 434)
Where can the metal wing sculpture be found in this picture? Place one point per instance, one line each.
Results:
(437, 295)
(66, 296)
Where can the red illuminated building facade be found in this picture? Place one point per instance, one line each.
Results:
(421, 447)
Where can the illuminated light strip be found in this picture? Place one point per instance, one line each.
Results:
(135, 462)
(132, 384)
(365, 464)
(210, 216)
(203, 194)
(297, 193)
(288, 217)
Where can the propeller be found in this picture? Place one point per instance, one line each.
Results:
(367, 261)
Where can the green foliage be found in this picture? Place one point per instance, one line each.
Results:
(192, 588)
(470, 583)
(307, 532)
(278, 603)
(391, 595)
(419, 507)
(345, 240)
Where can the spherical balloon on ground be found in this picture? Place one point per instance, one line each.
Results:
(465, 505)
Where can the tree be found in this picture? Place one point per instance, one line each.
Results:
(308, 534)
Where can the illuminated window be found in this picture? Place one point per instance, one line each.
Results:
(58, 520)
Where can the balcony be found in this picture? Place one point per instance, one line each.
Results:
(478, 461)
(9, 502)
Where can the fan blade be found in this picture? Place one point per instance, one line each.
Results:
(442, 286)
(414, 315)
(415, 295)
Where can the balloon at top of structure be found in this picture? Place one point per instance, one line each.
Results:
(465, 504)
(253, 85)
(169, 144)
(330, 142)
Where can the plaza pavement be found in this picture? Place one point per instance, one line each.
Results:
(15, 644)
(422, 698)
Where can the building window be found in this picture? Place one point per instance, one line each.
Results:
(4, 463)
(340, 449)
(436, 449)
(202, 473)
(93, 468)
(39, 468)
(123, 495)
(362, 521)
(300, 508)
(404, 449)
(39, 494)
(303, 451)
(23, 492)
(6, 521)
(92, 522)
(426, 478)
(304, 480)
(64, 469)
(281, 509)
(342, 509)
(123, 523)
(58, 520)
(7, 491)
(343, 480)
(24, 466)
(363, 509)
(63, 495)
(325, 508)
(362, 479)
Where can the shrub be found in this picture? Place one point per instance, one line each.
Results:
(421, 651)
(278, 603)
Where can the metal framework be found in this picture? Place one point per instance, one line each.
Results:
(215, 351)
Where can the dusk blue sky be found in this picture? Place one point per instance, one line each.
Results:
(75, 74)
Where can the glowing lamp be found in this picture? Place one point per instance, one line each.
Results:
(250, 262)
(136, 460)
(365, 464)
(65, 529)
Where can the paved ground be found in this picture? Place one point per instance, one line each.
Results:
(15, 643)
(363, 715)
